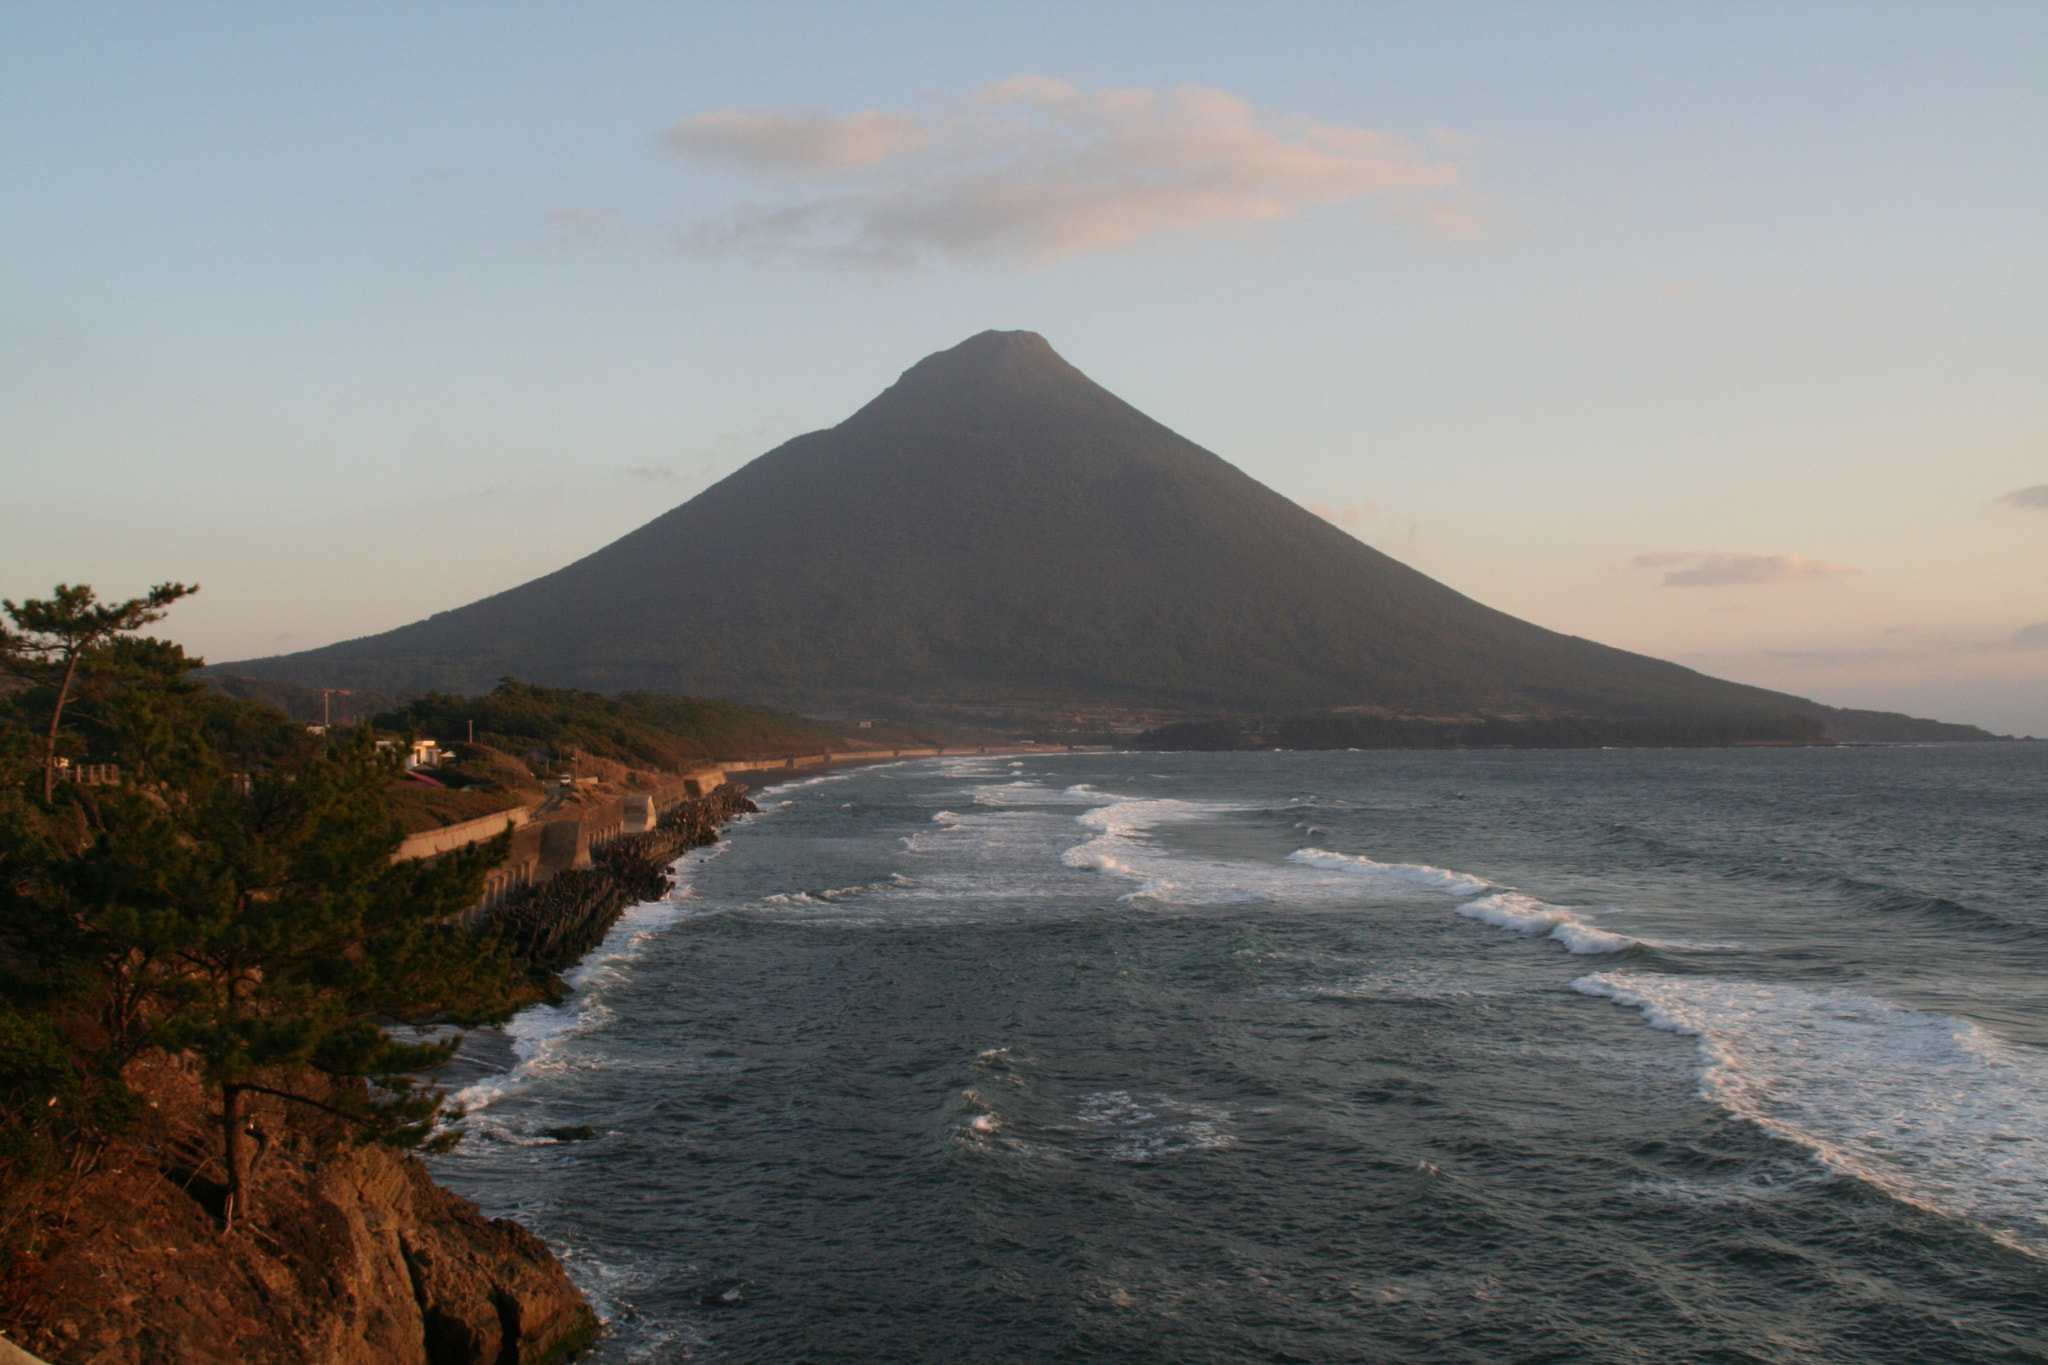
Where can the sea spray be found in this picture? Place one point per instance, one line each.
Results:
(1929, 1108)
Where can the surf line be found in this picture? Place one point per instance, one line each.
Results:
(1498, 906)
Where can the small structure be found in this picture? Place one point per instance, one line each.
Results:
(425, 754)
(89, 774)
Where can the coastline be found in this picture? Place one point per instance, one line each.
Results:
(807, 1051)
(353, 1255)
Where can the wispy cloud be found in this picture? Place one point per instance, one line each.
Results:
(649, 473)
(762, 140)
(1032, 170)
(2035, 497)
(1712, 569)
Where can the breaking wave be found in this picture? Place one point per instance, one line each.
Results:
(1928, 1108)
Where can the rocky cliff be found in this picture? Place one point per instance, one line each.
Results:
(349, 1255)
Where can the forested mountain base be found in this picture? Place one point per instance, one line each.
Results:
(1339, 730)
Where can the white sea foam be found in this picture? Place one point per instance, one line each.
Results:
(1123, 847)
(1931, 1109)
(797, 784)
(976, 832)
(538, 1032)
(1500, 908)
(964, 765)
(535, 1034)
(895, 881)
(1391, 876)
(1527, 915)
(1025, 792)
(1147, 1127)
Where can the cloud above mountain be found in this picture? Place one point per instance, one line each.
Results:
(1713, 569)
(2035, 497)
(1033, 170)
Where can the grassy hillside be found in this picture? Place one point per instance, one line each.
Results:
(306, 704)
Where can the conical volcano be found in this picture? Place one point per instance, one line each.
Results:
(997, 528)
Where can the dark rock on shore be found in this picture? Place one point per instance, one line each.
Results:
(552, 925)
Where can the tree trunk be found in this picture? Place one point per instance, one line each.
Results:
(56, 718)
(234, 1153)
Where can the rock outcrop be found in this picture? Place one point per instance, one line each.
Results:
(349, 1255)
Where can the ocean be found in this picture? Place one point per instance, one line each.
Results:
(1508, 1056)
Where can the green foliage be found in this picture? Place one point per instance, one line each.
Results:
(518, 717)
(56, 639)
(1198, 735)
(233, 898)
(639, 729)
(482, 769)
(51, 1093)
(730, 729)
(306, 705)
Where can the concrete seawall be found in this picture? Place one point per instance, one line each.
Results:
(428, 843)
(556, 836)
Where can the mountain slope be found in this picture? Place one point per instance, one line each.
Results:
(997, 527)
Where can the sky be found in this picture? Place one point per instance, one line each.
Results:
(1717, 331)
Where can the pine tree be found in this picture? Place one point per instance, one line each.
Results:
(249, 915)
(55, 637)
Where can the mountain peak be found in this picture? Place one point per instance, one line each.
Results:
(995, 350)
(997, 529)
(989, 370)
